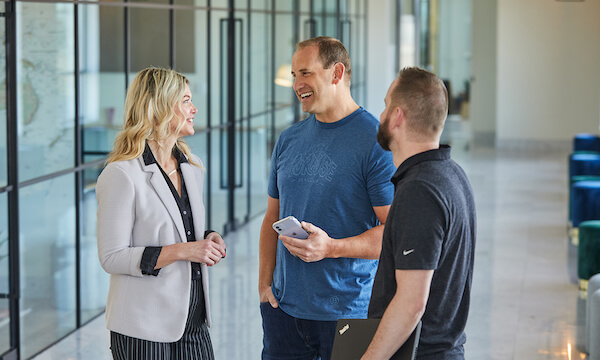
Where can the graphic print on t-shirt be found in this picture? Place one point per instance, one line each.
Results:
(314, 166)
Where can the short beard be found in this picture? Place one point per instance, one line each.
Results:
(383, 136)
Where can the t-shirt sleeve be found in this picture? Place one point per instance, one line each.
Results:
(380, 171)
(418, 227)
(272, 190)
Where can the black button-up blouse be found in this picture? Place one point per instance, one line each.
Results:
(151, 253)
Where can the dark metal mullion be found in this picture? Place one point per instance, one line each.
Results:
(223, 105)
(126, 42)
(398, 34)
(13, 175)
(272, 83)
(248, 92)
(78, 175)
(208, 122)
(171, 36)
(231, 118)
(338, 18)
(240, 99)
(313, 24)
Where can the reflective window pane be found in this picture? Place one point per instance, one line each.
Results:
(218, 176)
(94, 280)
(4, 306)
(3, 160)
(185, 39)
(46, 88)
(149, 34)
(191, 59)
(47, 251)
(284, 48)
(218, 63)
(258, 165)
(259, 72)
(222, 4)
(102, 77)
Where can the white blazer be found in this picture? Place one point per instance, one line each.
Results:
(136, 209)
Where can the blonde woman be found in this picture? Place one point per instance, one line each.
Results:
(151, 235)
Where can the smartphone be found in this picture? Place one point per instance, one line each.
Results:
(290, 226)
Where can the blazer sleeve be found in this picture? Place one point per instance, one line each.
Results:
(115, 193)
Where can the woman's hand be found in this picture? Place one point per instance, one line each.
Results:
(208, 251)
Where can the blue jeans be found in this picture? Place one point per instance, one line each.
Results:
(288, 338)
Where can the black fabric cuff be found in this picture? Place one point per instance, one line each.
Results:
(149, 259)
(207, 232)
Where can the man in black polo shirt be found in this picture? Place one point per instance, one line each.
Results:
(426, 263)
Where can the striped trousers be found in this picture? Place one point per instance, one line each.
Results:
(195, 343)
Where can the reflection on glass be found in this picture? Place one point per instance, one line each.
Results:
(221, 4)
(4, 307)
(190, 2)
(45, 88)
(454, 55)
(47, 251)
(326, 16)
(242, 161)
(149, 33)
(218, 209)
(102, 77)
(258, 165)
(408, 35)
(283, 119)
(284, 48)
(199, 145)
(262, 4)
(424, 60)
(3, 161)
(259, 56)
(191, 59)
(218, 85)
(94, 281)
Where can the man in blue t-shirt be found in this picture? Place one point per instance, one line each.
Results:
(329, 172)
(426, 263)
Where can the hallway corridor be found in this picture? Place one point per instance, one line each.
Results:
(524, 299)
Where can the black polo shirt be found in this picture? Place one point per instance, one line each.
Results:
(431, 226)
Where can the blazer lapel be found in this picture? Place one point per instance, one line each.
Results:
(164, 193)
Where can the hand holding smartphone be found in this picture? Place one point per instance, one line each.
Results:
(290, 226)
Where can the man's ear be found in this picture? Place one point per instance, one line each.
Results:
(338, 72)
(397, 118)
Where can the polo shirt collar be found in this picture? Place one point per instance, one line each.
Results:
(440, 154)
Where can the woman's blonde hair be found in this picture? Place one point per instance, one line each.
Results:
(149, 108)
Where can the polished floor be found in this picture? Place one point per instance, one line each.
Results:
(525, 298)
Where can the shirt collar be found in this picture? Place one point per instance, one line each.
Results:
(442, 153)
(150, 159)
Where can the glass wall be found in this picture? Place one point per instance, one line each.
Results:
(3, 155)
(47, 257)
(45, 82)
(4, 278)
(72, 67)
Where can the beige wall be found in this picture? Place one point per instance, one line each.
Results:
(548, 69)
(380, 54)
(483, 82)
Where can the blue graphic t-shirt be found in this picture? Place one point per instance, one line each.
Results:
(331, 175)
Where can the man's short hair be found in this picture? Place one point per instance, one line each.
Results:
(423, 98)
(331, 52)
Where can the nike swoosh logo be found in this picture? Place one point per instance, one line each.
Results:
(406, 252)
